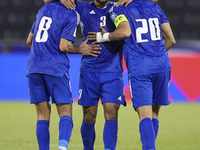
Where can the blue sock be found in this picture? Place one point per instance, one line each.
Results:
(88, 135)
(65, 130)
(110, 134)
(147, 134)
(156, 126)
(42, 133)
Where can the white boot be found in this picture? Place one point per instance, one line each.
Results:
(62, 148)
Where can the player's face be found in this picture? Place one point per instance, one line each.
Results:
(102, 2)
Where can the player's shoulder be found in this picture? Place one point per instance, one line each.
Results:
(152, 4)
(115, 8)
(155, 7)
(112, 3)
(53, 6)
(82, 4)
(65, 11)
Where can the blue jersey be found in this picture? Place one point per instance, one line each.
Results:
(110, 57)
(144, 50)
(53, 22)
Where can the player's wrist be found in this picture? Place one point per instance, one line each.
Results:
(99, 38)
(104, 38)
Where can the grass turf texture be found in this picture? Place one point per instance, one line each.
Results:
(179, 128)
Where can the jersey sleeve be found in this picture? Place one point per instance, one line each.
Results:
(70, 27)
(33, 27)
(117, 15)
(80, 6)
(163, 16)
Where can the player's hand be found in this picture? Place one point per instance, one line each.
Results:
(122, 2)
(93, 36)
(89, 50)
(68, 3)
(102, 30)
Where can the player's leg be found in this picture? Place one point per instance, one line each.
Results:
(146, 129)
(43, 110)
(112, 96)
(111, 125)
(141, 93)
(65, 124)
(88, 99)
(39, 96)
(155, 120)
(60, 91)
(87, 127)
(160, 96)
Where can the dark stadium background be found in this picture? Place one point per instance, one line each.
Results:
(17, 16)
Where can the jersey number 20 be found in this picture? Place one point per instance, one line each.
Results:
(154, 29)
(42, 34)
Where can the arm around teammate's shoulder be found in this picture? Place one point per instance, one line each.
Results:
(168, 36)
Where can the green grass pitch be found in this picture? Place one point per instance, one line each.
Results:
(179, 128)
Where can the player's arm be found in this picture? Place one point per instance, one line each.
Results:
(168, 36)
(122, 30)
(69, 3)
(66, 46)
(122, 2)
(48, 1)
(30, 39)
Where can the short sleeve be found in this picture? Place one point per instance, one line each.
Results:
(70, 26)
(33, 27)
(117, 15)
(163, 16)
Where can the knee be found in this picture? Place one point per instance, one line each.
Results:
(43, 113)
(111, 114)
(156, 108)
(89, 118)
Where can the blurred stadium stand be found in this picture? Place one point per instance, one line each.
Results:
(17, 16)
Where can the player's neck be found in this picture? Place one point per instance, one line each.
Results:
(100, 5)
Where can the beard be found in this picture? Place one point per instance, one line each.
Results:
(102, 2)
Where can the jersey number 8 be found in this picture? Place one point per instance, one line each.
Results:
(42, 34)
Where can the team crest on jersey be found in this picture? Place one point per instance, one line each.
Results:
(113, 16)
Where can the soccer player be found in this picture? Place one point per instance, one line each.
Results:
(50, 38)
(144, 25)
(100, 77)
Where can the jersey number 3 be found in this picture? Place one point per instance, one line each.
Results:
(103, 21)
(154, 29)
(42, 34)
